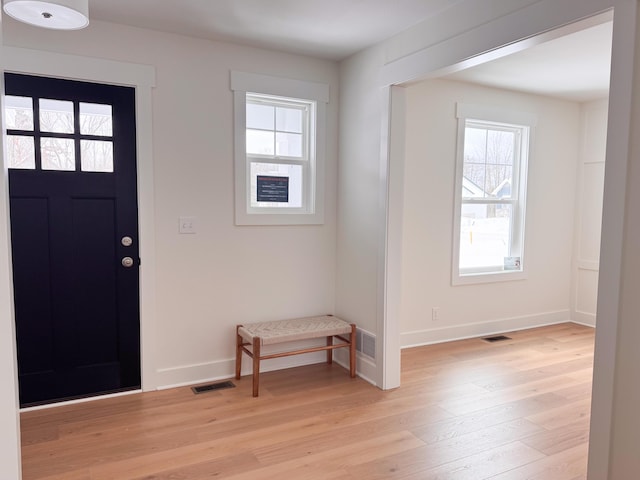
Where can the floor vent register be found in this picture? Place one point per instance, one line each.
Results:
(212, 386)
(496, 338)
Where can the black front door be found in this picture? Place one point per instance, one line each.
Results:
(71, 151)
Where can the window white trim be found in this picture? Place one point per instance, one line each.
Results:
(315, 93)
(489, 113)
(501, 117)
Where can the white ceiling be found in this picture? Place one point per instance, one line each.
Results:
(574, 67)
(332, 29)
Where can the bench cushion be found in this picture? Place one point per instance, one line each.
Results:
(278, 331)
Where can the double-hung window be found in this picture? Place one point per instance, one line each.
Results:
(277, 149)
(279, 143)
(491, 180)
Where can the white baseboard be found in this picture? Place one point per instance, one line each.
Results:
(583, 318)
(224, 369)
(365, 366)
(471, 330)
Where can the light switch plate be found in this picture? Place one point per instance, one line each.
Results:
(187, 224)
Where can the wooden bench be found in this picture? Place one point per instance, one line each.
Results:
(256, 335)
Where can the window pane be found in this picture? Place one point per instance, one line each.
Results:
(488, 163)
(289, 145)
(474, 168)
(260, 142)
(96, 119)
(289, 120)
(282, 175)
(473, 176)
(498, 181)
(260, 116)
(21, 152)
(58, 154)
(56, 116)
(96, 156)
(475, 145)
(18, 113)
(485, 236)
(500, 147)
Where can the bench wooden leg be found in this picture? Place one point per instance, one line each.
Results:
(352, 351)
(330, 351)
(239, 342)
(256, 365)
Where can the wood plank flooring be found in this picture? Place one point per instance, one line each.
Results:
(512, 410)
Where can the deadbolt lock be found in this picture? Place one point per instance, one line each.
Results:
(127, 241)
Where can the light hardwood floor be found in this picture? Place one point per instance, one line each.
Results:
(513, 410)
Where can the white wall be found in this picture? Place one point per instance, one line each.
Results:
(588, 218)
(9, 421)
(471, 310)
(359, 228)
(223, 275)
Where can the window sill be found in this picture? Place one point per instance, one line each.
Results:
(489, 277)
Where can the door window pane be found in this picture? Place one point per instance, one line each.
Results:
(21, 152)
(96, 119)
(58, 154)
(56, 116)
(96, 156)
(18, 112)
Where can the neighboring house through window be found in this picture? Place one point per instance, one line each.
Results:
(279, 150)
(491, 180)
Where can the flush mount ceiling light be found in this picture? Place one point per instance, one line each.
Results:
(58, 15)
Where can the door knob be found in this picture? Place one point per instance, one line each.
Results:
(127, 262)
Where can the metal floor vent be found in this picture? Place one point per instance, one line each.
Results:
(212, 386)
(496, 338)
(366, 343)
